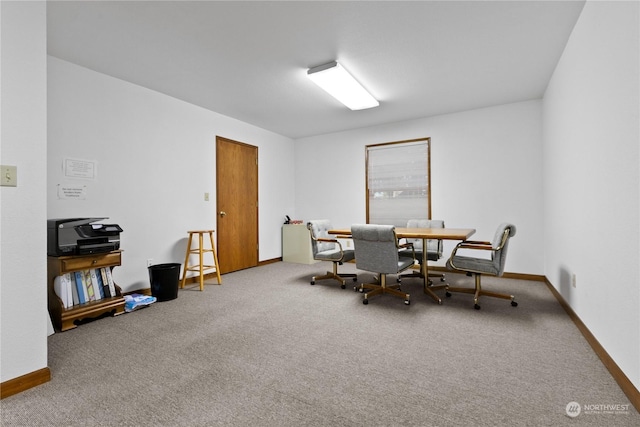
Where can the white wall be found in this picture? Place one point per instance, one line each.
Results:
(485, 169)
(155, 160)
(23, 273)
(592, 178)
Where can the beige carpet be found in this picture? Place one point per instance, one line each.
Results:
(268, 349)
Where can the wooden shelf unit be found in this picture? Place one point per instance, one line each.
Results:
(66, 318)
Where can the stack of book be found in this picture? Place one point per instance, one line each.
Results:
(81, 287)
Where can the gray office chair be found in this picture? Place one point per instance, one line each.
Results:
(326, 247)
(434, 248)
(377, 250)
(479, 266)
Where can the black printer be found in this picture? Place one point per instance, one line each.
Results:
(79, 236)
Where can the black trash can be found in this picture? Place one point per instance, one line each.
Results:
(164, 280)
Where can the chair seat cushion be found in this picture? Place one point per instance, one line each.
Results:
(477, 265)
(404, 263)
(431, 256)
(335, 255)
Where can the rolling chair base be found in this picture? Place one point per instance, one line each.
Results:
(340, 278)
(335, 276)
(421, 276)
(478, 292)
(429, 287)
(381, 288)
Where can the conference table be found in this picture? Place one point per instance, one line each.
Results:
(424, 234)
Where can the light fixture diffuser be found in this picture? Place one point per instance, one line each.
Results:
(337, 82)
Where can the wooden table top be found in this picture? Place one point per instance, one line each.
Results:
(422, 233)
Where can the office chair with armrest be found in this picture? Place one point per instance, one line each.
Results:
(434, 248)
(377, 250)
(326, 247)
(479, 266)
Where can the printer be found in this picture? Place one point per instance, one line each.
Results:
(80, 236)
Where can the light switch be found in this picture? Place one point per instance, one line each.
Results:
(206, 197)
(8, 176)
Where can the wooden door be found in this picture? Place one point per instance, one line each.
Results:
(237, 204)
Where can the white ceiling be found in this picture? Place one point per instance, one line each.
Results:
(248, 60)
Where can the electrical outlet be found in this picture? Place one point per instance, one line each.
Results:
(149, 262)
(573, 280)
(348, 243)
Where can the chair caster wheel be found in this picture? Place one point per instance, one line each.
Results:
(355, 279)
(447, 294)
(476, 306)
(514, 304)
(313, 283)
(442, 279)
(407, 302)
(342, 286)
(365, 301)
(355, 289)
(361, 290)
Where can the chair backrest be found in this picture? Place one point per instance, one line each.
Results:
(318, 228)
(500, 244)
(433, 246)
(376, 247)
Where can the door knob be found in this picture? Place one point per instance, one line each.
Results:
(223, 213)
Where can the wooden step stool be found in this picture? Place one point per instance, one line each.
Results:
(201, 267)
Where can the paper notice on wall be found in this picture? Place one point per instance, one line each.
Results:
(76, 168)
(72, 192)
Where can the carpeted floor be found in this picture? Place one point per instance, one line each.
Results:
(268, 349)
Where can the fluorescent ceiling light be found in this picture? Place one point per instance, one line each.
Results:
(342, 86)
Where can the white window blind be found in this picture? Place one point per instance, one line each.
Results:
(398, 179)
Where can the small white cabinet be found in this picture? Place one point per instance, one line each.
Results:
(296, 244)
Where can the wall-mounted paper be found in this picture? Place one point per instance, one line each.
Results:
(72, 192)
(76, 168)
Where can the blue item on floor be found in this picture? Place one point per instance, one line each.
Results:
(136, 301)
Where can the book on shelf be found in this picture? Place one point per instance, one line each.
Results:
(91, 293)
(97, 283)
(68, 282)
(112, 285)
(105, 283)
(61, 292)
(62, 288)
(82, 289)
(74, 289)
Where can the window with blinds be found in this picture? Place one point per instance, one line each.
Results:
(398, 178)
